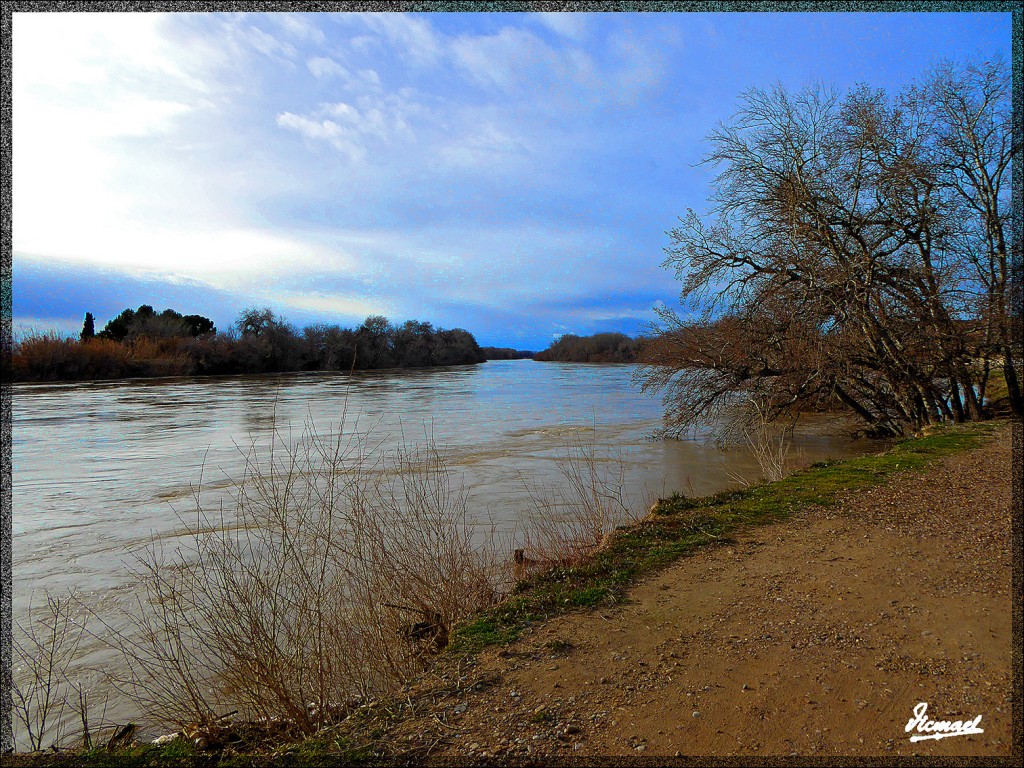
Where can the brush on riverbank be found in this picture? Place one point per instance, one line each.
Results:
(430, 716)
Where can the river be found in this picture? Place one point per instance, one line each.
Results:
(101, 467)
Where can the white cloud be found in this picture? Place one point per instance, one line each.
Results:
(612, 313)
(370, 77)
(333, 304)
(571, 25)
(375, 121)
(516, 61)
(506, 59)
(345, 139)
(322, 68)
(223, 258)
(299, 26)
(412, 36)
(267, 44)
(484, 146)
(83, 83)
(61, 52)
(640, 72)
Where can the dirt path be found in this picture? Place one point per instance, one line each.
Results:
(815, 636)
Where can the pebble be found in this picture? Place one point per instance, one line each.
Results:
(696, 713)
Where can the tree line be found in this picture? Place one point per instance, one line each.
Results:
(857, 252)
(143, 342)
(598, 348)
(506, 353)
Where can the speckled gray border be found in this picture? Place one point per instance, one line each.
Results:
(1017, 292)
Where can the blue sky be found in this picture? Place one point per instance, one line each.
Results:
(512, 174)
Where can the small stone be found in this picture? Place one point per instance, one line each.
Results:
(696, 713)
(571, 729)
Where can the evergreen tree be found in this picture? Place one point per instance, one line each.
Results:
(88, 327)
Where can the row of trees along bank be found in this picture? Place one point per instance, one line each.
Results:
(506, 353)
(599, 348)
(857, 252)
(143, 342)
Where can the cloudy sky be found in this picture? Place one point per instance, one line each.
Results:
(512, 174)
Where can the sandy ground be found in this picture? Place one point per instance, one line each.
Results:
(817, 636)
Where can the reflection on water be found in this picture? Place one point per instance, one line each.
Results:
(100, 468)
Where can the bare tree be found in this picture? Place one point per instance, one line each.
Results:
(970, 108)
(834, 269)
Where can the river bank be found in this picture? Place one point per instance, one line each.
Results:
(817, 634)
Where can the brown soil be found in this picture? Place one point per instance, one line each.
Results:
(816, 636)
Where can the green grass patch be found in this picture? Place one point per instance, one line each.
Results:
(324, 751)
(679, 525)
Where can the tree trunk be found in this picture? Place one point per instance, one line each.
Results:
(1013, 385)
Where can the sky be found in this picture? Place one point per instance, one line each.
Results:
(513, 174)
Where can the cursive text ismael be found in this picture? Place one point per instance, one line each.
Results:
(939, 729)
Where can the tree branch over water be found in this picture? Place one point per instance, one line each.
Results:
(855, 255)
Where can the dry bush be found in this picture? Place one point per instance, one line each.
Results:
(571, 519)
(43, 651)
(106, 359)
(336, 570)
(50, 694)
(161, 356)
(770, 443)
(38, 355)
(49, 357)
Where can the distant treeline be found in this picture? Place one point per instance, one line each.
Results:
(599, 348)
(144, 343)
(506, 353)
